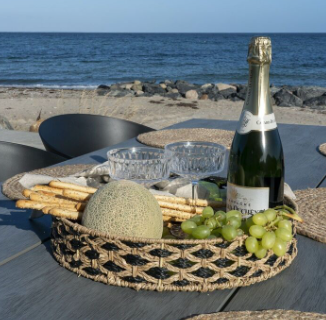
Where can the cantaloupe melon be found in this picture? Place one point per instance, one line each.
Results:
(124, 208)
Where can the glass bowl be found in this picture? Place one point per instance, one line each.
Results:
(140, 164)
(195, 159)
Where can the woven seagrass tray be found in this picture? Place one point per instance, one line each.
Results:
(312, 208)
(260, 315)
(322, 149)
(163, 264)
(160, 138)
(13, 189)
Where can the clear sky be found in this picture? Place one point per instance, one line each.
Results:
(163, 15)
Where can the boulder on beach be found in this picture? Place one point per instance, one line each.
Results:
(316, 102)
(224, 86)
(305, 93)
(285, 98)
(153, 88)
(191, 94)
(5, 124)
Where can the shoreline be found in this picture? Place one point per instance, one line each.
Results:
(21, 106)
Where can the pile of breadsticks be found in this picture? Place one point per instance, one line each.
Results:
(68, 200)
(60, 199)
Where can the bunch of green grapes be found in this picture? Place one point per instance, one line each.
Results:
(268, 230)
(210, 225)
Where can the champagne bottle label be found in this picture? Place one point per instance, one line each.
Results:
(247, 200)
(249, 122)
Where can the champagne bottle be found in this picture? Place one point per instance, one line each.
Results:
(256, 165)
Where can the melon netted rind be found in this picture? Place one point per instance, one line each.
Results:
(126, 209)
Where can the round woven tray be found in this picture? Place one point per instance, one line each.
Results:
(162, 264)
(322, 149)
(13, 189)
(312, 209)
(260, 315)
(160, 138)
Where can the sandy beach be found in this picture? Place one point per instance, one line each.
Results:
(21, 107)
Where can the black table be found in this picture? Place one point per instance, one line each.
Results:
(34, 286)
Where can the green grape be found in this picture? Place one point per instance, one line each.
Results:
(229, 233)
(212, 237)
(249, 222)
(279, 247)
(208, 212)
(188, 226)
(259, 219)
(234, 213)
(201, 232)
(261, 252)
(197, 219)
(240, 232)
(268, 240)
(217, 232)
(284, 234)
(166, 231)
(270, 214)
(169, 236)
(234, 221)
(220, 216)
(211, 223)
(257, 231)
(251, 244)
(286, 224)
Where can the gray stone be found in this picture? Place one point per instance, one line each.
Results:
(305, 93)
(153, 88)
(273, 90)
(175, 91)
(5, 124)
(184, 86)
(139, 93)
(316, 102)
(118, 86)
(284, 98)
(236, 96)
(224, 86)
(216, 96)
(103, 86)
(172, 95)
(227, 92)
(191, 94)
(290, 88)
(137, 87)
(207, 86)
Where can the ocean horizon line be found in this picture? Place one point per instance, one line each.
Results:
(177, 32)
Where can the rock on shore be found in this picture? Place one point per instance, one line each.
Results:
(284, 96)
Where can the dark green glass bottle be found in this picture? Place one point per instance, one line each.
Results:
(256, 163)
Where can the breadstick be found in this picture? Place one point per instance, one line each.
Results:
(76, 195)
(44, 198)
(47, 209)
(71, 186)
(80, 206)
(27, 193)
(181, 207)
(176, 214)
(63, 213)
(197, 202)
(172, 219)
(39, 187)
(29, 204)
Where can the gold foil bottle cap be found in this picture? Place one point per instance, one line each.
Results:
(260, 50)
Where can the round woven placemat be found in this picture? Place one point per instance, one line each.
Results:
(322, 149)
(159, 139)
(13, 189)
(312, 209)
(260, 315)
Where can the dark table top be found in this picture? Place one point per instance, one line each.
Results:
(34, 286)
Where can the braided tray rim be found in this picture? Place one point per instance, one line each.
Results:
(78, 248)
(12, 189)
(260, 315)
(160, 138)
